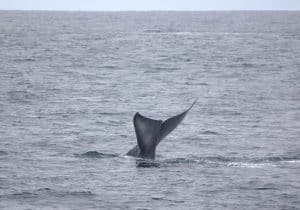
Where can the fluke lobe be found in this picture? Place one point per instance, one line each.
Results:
(150, 132)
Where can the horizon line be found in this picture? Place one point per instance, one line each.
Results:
(156, 10)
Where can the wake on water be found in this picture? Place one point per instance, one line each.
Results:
(256, 162)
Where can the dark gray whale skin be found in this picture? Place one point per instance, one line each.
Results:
(150, 132)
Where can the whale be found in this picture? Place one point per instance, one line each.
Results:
(150, 132)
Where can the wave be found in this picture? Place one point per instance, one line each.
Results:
(111, 113)
(95, 154)
(210, 133)
(172, 32)
(80, 193)
(108, 67)
(196, 84)
(152, 31)
(161, 69)
(24, 60)
(20, 96)
(141, 163)
(41, 192)
(2, 153)
(24, 194)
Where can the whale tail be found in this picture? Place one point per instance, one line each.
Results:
(150, 132)
(170, 124)
(147, 134)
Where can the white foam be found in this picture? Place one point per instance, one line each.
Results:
(250, 165)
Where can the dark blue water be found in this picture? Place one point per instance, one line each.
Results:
(70, 83)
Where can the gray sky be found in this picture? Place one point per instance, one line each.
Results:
(150, 5)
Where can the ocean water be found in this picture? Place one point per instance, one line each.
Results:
(70, 83)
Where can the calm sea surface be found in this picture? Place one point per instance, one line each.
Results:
(70, 83)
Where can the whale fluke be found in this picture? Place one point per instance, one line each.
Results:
(150, 132)
(147, 134)
(170, 124)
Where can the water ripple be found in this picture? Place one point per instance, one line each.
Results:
(95, 154)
